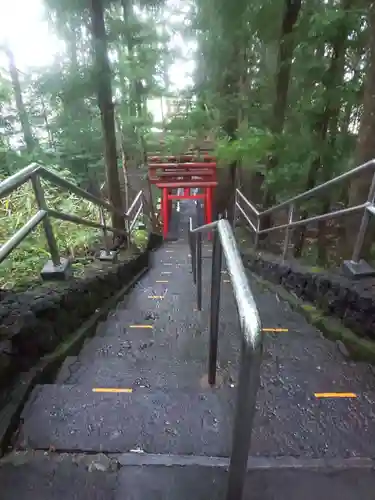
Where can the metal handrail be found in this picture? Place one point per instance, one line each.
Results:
(35, 173)
(251, 348)
(138, 200)
(16, 180)
(367, 207)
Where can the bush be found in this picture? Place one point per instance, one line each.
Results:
(23, 265)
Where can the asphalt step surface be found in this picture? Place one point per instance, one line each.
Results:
(156, 421)
(122, 372)
(156, 338)
(298, 363)
(184, 483)
(47, 476)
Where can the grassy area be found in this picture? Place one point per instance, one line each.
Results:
(23, 265)
(140, 238)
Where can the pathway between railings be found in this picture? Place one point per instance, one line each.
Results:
(133, 416)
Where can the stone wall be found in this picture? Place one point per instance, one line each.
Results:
(35, 322)
(352, 301)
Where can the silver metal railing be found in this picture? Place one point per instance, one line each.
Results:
(355, 265)
(251, 348)
(135, 212)
(35, 173)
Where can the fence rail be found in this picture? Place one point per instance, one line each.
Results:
(251, 338)
(34, 173)
(355, 266)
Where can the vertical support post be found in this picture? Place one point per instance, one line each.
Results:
(128, 232)
(194, 258)
(48, 230)
(235, 209)
(256, 242)
(363, 226)
(205, 206)
(360, 237)
(147, 214)
(169, 207)
(191, 238)
(107, 254)
(215, 306)
(209, 205)
(288, 231)
(164, 208)
(209, 209)
(104, 230)
(198, 265)
(243, 423)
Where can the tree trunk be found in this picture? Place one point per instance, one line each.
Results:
(135, 98)
(332, 81)
(22, 113)
(365, 151)
(284, 65)
(123, 162)
(106, 106)
(231, 93)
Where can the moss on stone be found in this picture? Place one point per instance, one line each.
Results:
(316, 269)
(359, 349)
(309, 307)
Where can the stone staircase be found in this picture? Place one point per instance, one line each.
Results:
(168, 435)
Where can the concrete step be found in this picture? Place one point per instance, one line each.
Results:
(205, 482)
(127, 371)
(45, 476)
(117, 345)
(169, 340)
(170, 421)
(290, 421)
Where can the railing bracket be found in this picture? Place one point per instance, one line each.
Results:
(359, 269)
(61, 272)
(108, 256)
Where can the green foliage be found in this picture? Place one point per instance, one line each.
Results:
(251, 146)
(22, 267)
(140, 238)
(235, 48)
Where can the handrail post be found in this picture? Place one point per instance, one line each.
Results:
(235, 209)
(215, 306)
(256, 242)
(198, 264)
(194, 258)
(192, 246)
(48, 229)
(128, 231)
(363, 227)
(104, 230)
(288, 231)
(106, 254)
(243, 423)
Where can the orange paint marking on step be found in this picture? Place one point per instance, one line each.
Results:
(275, 330)
(335, 395)
(140, 326)
(109, 389)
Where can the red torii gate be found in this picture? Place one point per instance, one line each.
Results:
(173, 172)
